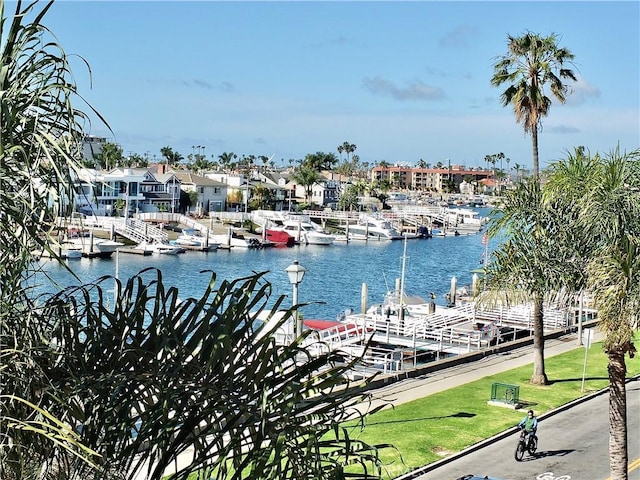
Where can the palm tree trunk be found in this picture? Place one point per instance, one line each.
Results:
(618, 455)
(539, 376)
(534, 140)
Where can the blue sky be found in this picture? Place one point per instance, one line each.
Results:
(402, 81)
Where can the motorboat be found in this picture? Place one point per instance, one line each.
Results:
(308, 233)
(64, 250)
(370, 227)
(279, 238)
(190, 237)
(71, 252)
(235, 240)
(93, 247)
(160, 248)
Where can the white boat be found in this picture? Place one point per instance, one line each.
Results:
(71, 252)
(235, 240)
(464, 219)
(63, 250)
(190, 237)
(306, 232)
(160, 248)
(371, 227)
(94, 247)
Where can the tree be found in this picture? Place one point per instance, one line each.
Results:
(149, 374)
(380, 189)
(110, 156)
(539, 257)
(306, 177)
(41, 133)
(226, 158)
(262, 197)
(171, 158)
(348, 148)
(211, 348)
(606, 194)
(349, 198)
(532, 63)
(320, 161)
(139, 161)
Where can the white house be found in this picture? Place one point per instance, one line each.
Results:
(212, 194)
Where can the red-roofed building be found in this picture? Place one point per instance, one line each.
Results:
(439, 179)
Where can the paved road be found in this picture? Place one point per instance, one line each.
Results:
(573, 446)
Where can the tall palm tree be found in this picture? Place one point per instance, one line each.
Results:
(349, 148)
(532, 63)
(538, 258)
(606, 191)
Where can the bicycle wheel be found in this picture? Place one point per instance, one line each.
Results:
(533, 444)
(520, 451)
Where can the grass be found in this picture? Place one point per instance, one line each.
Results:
(428, 429)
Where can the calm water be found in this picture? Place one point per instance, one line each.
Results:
(334, 276)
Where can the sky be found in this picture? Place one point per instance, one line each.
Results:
(403, 81)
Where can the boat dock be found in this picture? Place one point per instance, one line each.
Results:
(389, 344)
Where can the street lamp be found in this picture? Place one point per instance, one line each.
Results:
(296, 274)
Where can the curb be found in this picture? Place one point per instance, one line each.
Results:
(483, 443)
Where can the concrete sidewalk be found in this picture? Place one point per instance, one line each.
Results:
(409, 389)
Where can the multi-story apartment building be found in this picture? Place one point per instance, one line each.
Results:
(438, 179)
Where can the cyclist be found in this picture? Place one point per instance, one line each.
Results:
(530, 423)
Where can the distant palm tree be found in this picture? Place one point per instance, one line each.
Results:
(306, 177)
(226, 158)
(532, 63)
(110, 156)
(349, 148)
(171, 157)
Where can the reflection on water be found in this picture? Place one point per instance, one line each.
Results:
(334, 276)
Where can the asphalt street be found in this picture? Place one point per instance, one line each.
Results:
(573, 445)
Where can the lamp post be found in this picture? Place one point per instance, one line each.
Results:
(296, 274)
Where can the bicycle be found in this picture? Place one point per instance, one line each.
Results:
(527, 442)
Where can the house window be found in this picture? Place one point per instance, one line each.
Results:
(200, 189)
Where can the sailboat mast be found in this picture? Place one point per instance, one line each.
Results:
(404, 267)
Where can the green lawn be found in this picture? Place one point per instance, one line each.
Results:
(426, 430)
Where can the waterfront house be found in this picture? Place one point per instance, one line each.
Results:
(104, 193)
(212, 194)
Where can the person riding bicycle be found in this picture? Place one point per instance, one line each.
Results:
(530, 423)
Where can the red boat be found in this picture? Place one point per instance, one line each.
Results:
(279, 238)
(321, 324)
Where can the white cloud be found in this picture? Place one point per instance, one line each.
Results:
(582, 91)
(413, 91)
